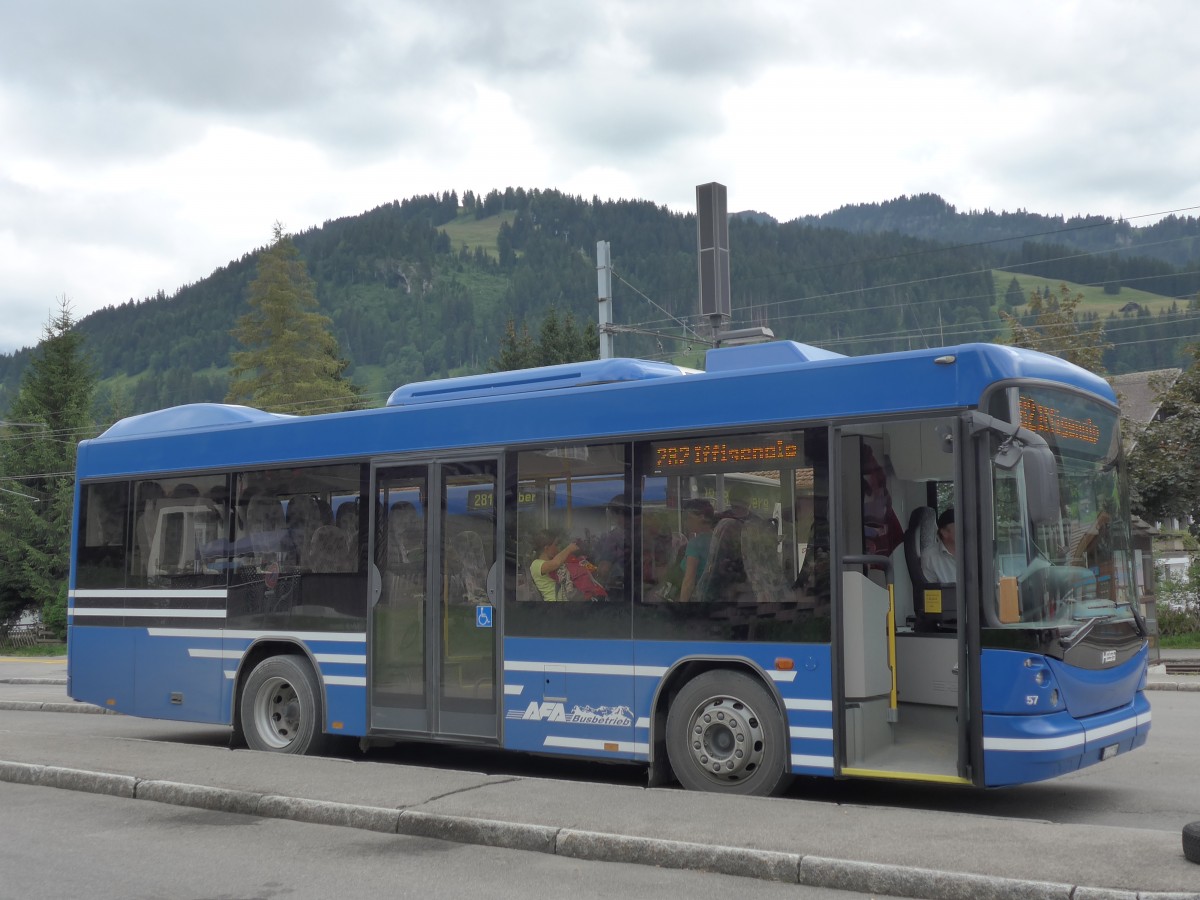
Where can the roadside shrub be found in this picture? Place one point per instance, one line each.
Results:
(1175, 622)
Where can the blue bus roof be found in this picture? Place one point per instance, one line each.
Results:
(770, 383)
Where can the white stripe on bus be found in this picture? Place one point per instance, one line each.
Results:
(150, 613)
(811, 762)
(235, 634)
(809, 705)
(818, 734)
(598, 745)
(342, 658)
(585, 668)
(148, 594)
(1066, 741)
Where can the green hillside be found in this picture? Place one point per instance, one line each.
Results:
(424, 287)
(1095, 299)
(471, 232)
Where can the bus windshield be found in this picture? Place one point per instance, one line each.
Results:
(1073, 567)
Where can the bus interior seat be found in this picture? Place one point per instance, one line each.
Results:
(328, 551)
(472, 567)
(303, 519)
(264, 517)
(401, 532)
(902, 591)
(763, 566)
(921, 534)
(723, 571)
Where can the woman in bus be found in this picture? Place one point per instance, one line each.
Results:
(545, 566)
(698, 521)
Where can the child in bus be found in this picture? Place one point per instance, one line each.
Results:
(544, 568)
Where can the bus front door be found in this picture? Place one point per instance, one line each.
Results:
(901, 702)
(433, 632)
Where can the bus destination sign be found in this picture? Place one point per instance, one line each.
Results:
(730, 453)
(1050, 422)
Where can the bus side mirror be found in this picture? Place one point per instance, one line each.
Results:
(1019, 445)
(1041, 483)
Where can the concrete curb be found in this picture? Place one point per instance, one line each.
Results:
(1193, 685)
(600, 847)
(902, 881)
(61, 681)
(789, 868)
(48, 706)
(487, 832)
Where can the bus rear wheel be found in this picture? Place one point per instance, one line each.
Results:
(281, 707)
(725, 734)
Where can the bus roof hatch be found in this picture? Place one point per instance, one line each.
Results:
(521, 381)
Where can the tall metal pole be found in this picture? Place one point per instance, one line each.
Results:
(604, 297)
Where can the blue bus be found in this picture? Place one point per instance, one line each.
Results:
(371, 574)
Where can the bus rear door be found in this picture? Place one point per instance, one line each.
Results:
(432, 667)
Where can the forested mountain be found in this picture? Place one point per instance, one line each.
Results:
(1172, 239)
(423, 287)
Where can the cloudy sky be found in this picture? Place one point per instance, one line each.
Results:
(143, 144)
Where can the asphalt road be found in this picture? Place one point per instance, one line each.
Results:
(1115, 826)
(71, 844)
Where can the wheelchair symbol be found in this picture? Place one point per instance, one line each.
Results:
(483, 617)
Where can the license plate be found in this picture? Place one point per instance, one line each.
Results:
(1109, 752)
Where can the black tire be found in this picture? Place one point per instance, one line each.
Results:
(725, 734)
(1191, 841)
(281, 707)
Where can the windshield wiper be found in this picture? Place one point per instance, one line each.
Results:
(1082, 631)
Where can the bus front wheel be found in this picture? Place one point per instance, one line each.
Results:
(281, 707)
(724, 733)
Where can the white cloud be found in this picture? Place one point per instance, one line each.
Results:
(142, 145)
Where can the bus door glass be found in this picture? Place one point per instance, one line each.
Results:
(433, 611)
(903, 704)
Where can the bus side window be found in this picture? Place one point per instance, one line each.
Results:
(102, 547)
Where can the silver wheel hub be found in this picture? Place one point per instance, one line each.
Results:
(726, 740)
(277, 712)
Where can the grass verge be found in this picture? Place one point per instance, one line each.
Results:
(39, 650)
(1180, 641)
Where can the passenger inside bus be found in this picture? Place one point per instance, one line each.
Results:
(698, 521)
(882, 531)
(937, 557)
(929, 558)
(546, 566)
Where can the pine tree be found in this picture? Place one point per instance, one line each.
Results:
(37, 464)
(1056, 328)
(291, 361)
(560, 340)
(517, 351)
(1014, 296)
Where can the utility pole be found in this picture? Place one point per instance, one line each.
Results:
(604, 298)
